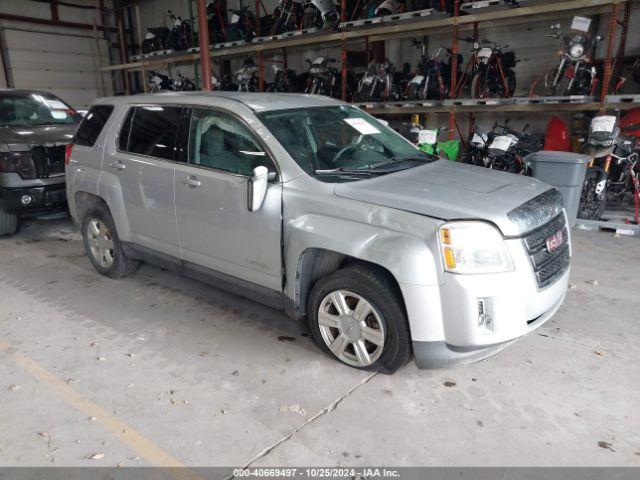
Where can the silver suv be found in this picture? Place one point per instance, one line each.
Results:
(311, 205)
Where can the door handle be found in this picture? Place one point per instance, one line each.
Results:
(117, 165)
(191, 182)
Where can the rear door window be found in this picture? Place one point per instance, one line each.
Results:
(153, 131)
(92, 124)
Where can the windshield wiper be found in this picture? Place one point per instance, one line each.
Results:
(394, 160)
(345, 171)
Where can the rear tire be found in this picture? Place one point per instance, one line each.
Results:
(8, 223)
(103, 246)
(373, 334)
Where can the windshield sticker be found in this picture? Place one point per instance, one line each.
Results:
(55, 104)
(362, 126)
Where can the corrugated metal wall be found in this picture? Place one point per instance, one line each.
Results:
(62, 60)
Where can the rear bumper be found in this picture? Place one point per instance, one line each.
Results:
(42, 199)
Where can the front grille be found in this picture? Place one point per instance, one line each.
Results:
(48, 160)
(548, 265)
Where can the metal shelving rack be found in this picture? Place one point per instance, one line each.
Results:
(494, 13)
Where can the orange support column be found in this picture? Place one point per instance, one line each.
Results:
(608, 61)
(203, 37)
(454, 68)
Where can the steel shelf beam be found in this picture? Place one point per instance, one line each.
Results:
(396, 30)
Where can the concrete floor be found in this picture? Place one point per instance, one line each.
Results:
(160, 370)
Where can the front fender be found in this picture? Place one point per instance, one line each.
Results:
(410, 259)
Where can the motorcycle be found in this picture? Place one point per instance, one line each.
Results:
(503, 149)
(155, 39)
(295, 14)
(433, 76)
(242, 25)
(611, 175)
(182, 84)
(284, 80)
(493, 74)
(575, 64)
(323, 77)
(377, 84)
(427, 141)
(180, 36)
(246, 76)
(159, 82)
(390, 7)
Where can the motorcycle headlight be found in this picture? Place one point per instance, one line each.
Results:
(577, 50)
(473, 247)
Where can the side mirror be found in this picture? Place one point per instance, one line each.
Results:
(257, 188)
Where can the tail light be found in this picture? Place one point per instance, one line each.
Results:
(67, 154)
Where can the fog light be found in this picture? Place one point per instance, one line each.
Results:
(485, 315)
(26, 200)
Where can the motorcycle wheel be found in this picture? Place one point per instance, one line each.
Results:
(592, 204)
(414, 91)
(478, 89)
(581, 84)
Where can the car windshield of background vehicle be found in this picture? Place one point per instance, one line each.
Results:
(34, 109)
(340, 143)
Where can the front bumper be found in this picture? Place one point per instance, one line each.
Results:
(442, 355)
(42, 199)
(445, 319)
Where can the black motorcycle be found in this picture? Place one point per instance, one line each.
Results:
(493, 75)
(155, 39)
(159, 82)
(575, 70)
(182, 84)
(284, 80)
(508, 149)
(242, 25)
(377, 84)
(477, 152)
(323, 77)
(433, 76)
(611, 175)
(181, 35)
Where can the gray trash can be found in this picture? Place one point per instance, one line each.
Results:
(563, 170)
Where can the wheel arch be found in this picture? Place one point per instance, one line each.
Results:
(316, 263)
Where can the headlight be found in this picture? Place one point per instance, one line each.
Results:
(18, 162)
(576, 50)
(473, 247)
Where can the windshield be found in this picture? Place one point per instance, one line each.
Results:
(341, 142)
(26, 110)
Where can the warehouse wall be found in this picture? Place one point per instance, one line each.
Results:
(52, 58)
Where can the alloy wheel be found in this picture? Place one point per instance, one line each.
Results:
(100, 243)
(351, 328)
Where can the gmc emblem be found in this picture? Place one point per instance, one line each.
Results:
(555, 241)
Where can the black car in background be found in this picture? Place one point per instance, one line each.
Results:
(35, 129)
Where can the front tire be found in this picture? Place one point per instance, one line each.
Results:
(356, 315)
(593, 198)
(103, 246)
(8, 223)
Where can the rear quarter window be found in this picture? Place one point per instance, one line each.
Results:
(151, 131)
(92, 124)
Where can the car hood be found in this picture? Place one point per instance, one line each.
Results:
(456, 191)
(36, 135)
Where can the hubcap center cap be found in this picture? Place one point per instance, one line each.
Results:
(350, 328)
